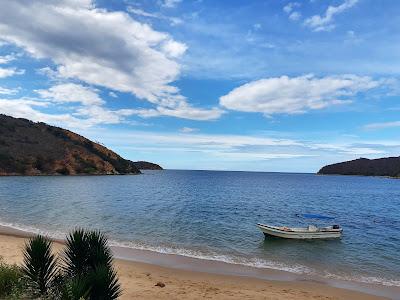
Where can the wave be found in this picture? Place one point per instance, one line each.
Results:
(34, 230)
(213, 256)
(254, 263)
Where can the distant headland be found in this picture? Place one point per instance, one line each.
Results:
(145, 165)
(388, 166)
(29, 148)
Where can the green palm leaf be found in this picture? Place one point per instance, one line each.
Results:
(88, 257)
(105, 285)
(40, 265)
(76, 288)
(76, 253)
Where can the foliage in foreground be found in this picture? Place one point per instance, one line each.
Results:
(85, 271)
(40, 265)
(12, 284)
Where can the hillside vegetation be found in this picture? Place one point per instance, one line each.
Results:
(389, 166)
(28, 148)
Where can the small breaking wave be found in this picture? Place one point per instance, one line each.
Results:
(214, 256)
(33, 230)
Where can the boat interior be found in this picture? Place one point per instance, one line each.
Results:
(310, 228)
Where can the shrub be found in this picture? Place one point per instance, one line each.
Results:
(86, 272)
(11, 281)
(88, 259)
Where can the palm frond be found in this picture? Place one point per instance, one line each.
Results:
(75, 255)
(99, 253)
(76, 288)
(87, 256)
(104, 282)
(40, 264)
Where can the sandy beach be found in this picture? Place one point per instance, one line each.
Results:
(139, 279)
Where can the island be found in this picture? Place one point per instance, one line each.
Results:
(30, 148)
(388, 166)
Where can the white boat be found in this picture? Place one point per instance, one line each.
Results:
(310, 232)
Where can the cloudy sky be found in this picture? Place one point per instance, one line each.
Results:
(265, 85)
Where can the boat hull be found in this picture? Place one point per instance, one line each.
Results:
(276, 232)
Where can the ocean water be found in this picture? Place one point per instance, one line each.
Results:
(212, 215)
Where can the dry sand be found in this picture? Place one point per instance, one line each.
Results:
(138, 281)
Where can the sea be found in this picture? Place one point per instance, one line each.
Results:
(212, 215)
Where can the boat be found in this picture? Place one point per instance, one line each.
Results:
(310, 232)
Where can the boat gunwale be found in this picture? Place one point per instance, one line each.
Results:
(278, 229)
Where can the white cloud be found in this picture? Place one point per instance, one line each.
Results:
(288, 8)
(205, 141)
(7, 91)
(71, 92)
(295, 16)
(140, 12)
(221, 147)
(112, 94)
(171, 3)
(188, 129)
(325, 23)
(26, 108)
(135, 58)
(295, 94)
(7, 72)
(382, 125)
(5, 59)
(174, 49)
(74, 117)
(184, 111)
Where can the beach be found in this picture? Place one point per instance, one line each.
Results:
(139, 280)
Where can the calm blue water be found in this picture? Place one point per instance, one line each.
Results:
(213, 215)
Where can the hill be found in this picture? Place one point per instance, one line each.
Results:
(145, 165)
(389, 166)
(28, 148)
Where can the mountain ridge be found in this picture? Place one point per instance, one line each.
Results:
(36, 148)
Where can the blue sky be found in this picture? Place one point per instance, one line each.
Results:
(225, 85)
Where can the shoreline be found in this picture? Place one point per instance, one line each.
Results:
(171, 264)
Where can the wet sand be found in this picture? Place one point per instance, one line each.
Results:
(187, 278)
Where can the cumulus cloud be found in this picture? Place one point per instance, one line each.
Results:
(82, 107)
(295, 16)
(7, 72)
(5, 59)
(325, 22)
(98, 47)
(290, 10)
(295, 94)
(71, 92)
(174, 49)
(91, 109)
(26, 108)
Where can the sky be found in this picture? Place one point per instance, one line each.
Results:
(262, 85)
